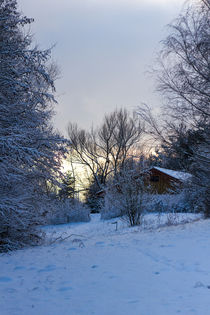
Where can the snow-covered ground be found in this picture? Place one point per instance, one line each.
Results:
(97, 270)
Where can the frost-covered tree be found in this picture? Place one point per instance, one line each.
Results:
(184, 72)
(29, 149)
(201, 170)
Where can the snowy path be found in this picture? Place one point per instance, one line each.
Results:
(161, 272)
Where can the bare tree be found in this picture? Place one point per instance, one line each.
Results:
(184, 72)
(105, 149)
(183, 75)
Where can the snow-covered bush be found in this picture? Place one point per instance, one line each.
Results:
(126, 197)
(116, 203)
(169, 203)
(187, 200)
(66, 211)
(112, 205)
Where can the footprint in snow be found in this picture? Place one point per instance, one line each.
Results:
(19, 268)
(99, 244)
(11, 290)
(48, 268)
(133, 301)
(199, 284)
(64, 289)
(5, 279)
(72, 248)
(112, 277)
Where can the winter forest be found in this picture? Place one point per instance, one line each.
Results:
(118, 189)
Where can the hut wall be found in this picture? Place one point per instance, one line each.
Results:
(162, 183)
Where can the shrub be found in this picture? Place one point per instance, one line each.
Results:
(126, 197)
(66, 211)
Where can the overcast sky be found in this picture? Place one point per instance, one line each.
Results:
(103, 49)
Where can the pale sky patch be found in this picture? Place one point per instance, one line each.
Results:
(104, 50)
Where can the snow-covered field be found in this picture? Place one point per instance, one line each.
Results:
(97, 270)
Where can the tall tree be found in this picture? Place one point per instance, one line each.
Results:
(104, 150)
(184, 72)
(30, 151)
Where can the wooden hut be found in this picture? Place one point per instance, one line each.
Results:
(162, 180)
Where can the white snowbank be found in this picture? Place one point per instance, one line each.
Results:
(98, 270)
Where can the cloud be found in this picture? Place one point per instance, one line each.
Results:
(103, 49)
(137, 3)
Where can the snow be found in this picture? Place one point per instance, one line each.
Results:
(176, 174)
(145, 270)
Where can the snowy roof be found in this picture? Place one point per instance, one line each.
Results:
(176, 174)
